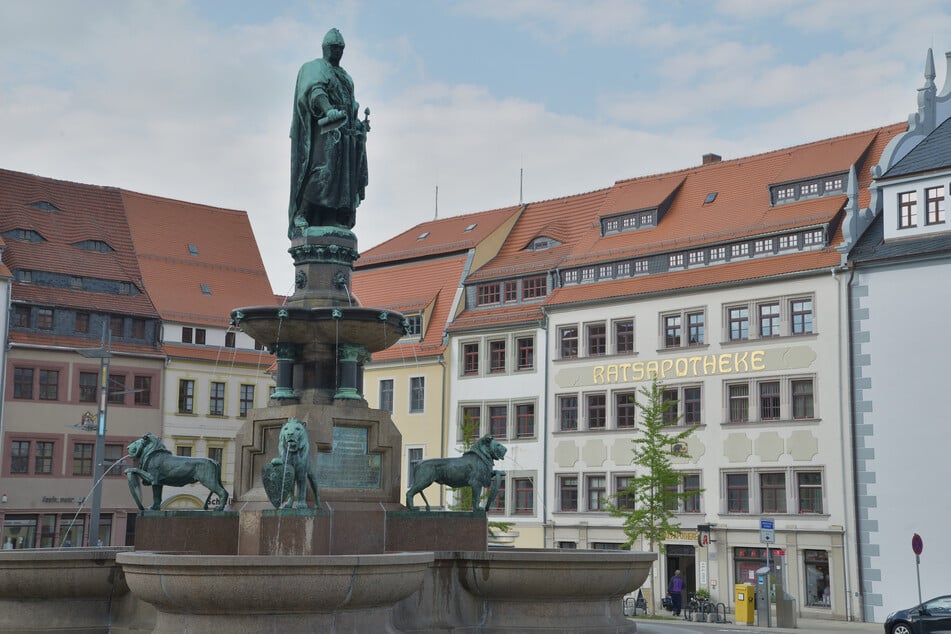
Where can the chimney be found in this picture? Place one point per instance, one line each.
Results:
(709, 159)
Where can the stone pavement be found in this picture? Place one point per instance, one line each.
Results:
(804, 626)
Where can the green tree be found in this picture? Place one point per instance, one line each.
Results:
(651, 499)
(462, 500)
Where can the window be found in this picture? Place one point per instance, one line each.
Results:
(624, 337)
(623, 269)
(669, 404)
(142, 386)
(497, 356)
(717, 254)
(525, 347)
(568, 341)
(785, 193)
(533, 287)
(23, 383)
(571, 277)
(386, 395)
(737, 493)
(568, 413)
(498, 506)
(229, 339)
(49, 385)
(200, 336)
(417, 394)
(498, 421)
(676, 260)
(568, 493)
(524, 496)
(672, 331)
(113, 454)
(810, 491)
(88, 386)
(487, 294)
(470, 359)
(691, 489)
(739, 402)
(934, 197)
(769, 400)
(788, 241)
(186, 334)
(692, 405)
(802, 399)
(739, 250)
(117, 389)
(596, 411)
(82, 459)
(21, 316)
(773, 492)
(185, 451)
(216, 399)
(640, 266)
(816, 565)
(246, 400)
(695, 329)
(20, 456)
(625, 409)
(801, 310)
(217, 454)
(811, 238)
(623, 496)
(525, 420)
(414, 455)
(597, 492)
(606, 272)
(739, 321)
(695, 257)
(907, 209)
(769, 320)
(587, 275)
(44, 318)
(117, 326)
(597, 339)
(510, 289)
(763, 246)
(205, 289)
(414, 325)
(186, 396)
(470, 424)
(81, 322)
(43, 460)
(138, 330)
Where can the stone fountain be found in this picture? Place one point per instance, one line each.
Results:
(356, 560)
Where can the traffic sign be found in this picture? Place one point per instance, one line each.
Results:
(917, 544)
(767, 530)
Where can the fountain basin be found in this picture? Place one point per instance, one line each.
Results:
(372, 328)
(274, 593)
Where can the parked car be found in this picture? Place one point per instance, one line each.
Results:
(929, 617)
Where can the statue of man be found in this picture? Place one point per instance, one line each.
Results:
(328, 144)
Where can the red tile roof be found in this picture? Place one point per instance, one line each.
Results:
(444, 236)
(223, 357)
(227, 259)
(82, 212)
(18, 337)
(412, 287)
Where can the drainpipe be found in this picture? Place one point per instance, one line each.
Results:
(545, 507)
(855, 460)
(3, 366)
(846, 424)
(443, 450)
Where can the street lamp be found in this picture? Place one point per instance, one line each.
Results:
(102, 353)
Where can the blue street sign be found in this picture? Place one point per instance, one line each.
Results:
(917, 544)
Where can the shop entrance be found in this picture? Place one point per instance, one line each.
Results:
(682, 558)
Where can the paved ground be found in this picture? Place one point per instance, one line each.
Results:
(810, 626)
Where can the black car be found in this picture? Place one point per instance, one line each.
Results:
(931, 617)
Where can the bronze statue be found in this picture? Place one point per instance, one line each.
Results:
(286, 477)
(473, 469)
(159, 467)
(328, 144)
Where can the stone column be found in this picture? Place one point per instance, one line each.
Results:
(286, 354)
(348, 357)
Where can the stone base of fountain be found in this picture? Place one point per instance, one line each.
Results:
(205, 532)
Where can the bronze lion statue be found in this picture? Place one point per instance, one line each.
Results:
(286, 477)
(473, 469)
(159, 467)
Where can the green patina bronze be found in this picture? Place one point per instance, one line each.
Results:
(158, 467)
(287, 477)
(473, 469)
(328, 145)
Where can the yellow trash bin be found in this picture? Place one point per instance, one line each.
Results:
(743, 600)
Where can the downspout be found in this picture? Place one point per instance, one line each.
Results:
(6, 348)
(844, 424)
(855, 459)
(443, 450)
(545, 506)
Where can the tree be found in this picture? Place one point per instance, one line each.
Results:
(462, 498)
(649, 503)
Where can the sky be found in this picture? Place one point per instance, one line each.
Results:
(475, 104)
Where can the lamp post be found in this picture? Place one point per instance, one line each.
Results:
(103, 354)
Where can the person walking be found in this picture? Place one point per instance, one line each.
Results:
(676, 590)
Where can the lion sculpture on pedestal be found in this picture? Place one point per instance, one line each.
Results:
(287, 477)
(473, 469)
(158, 467)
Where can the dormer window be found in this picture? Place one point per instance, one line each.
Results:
(806, 189)
(23, 235)
(414, 325)
(907, 210)
(629, 222)
(97, 246)
(44, 205)
(542, 243)
(934, 199)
